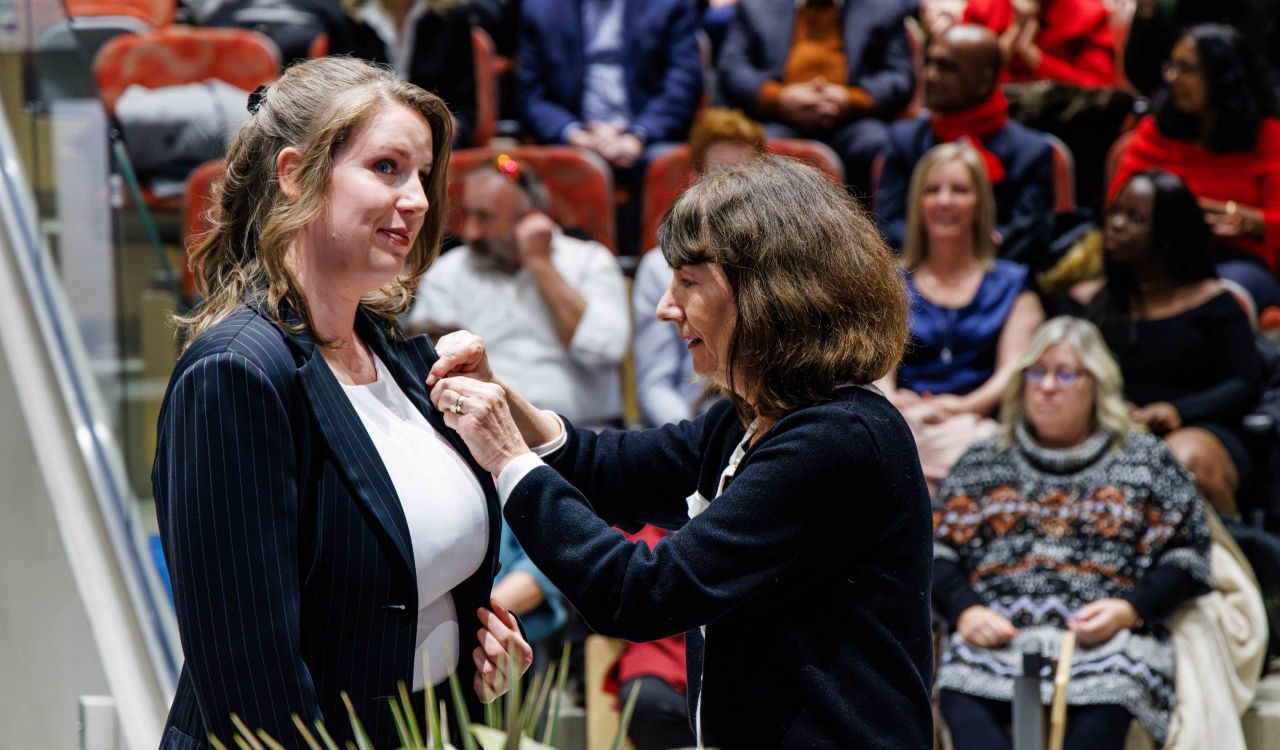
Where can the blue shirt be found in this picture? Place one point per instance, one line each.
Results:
(549, 616)
(953, 350)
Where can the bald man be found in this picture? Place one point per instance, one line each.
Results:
(963, 101)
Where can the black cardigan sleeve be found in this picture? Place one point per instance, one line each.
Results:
(952, 593)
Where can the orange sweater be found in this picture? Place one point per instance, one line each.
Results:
(817, 50)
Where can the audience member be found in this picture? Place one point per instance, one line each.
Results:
(501, 21)
(611, 76)
(1068, 41)
(961, 75)
(717, 15)
(1184, 343)
(831, 70)
(1215, 127)
(1071, 519)
(657, 669)
(666, 388)
(427, 43)
(552, 309)
(971, 313)
(1157, 25)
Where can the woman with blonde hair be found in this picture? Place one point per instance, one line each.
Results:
(1072, 518)
(800, 567)
(971, 313)
(326, 533)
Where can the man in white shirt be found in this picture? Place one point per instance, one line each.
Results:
(552, 309)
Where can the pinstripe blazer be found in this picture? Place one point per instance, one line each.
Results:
(292, 566)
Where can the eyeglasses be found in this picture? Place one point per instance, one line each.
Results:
(1036, 375)
(1170, 68)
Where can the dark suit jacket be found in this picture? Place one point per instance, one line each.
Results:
(292, 567)
(811, 572)
(1025, 193)
(442, 60)
(663, 66)
(875, 42)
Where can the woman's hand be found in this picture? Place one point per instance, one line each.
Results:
(1097, 622)
(1160, 417)
(478, 412)
(1231, 219)
(984, 627)
(461, 353)
(499, 638)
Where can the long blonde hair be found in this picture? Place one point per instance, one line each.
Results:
(316, 107)
(1109, 410)
(916, 243)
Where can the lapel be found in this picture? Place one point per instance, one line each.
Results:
(780, 33)
(356, 458)
(855, 40)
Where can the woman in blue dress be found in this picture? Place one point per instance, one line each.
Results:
(972, 314)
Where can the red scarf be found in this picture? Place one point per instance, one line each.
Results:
(974, 126)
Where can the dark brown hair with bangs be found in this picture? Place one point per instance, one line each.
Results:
(821, 301)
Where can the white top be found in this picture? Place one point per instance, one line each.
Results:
(581, 381)
(399, 48)
(444, 506)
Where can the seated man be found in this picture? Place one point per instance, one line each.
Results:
(609, 75)
(551, 309)
(961, 72)
(830, 70)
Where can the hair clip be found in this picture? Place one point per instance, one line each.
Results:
(508, 167)
(256, 99)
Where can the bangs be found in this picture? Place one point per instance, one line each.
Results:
(683, 233)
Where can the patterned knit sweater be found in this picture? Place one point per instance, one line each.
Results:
(1036, 533)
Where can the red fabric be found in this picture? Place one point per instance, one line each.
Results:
(663, 658)
(976, 125)
(1251, 179)
(1075, 40)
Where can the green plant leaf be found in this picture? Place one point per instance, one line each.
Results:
(246, 733)
(269, 741)
(324, 735)
(306, 733)
(553, 713)
(625, 721)
(407, 706)
(530, 702)
(434, 735)
(460, 709)
(362, 739)
(513, 699)
(541, 694)
(402, 729)
(217, 743)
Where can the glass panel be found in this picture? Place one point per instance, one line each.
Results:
(112, 255)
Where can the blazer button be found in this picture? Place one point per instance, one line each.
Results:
(400, 607)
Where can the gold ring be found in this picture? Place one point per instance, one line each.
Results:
(457, 405)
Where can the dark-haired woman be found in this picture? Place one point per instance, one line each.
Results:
(1215, 127)
(1184, 343)
(326, 533)
(801, 565)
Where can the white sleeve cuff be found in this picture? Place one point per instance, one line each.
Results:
(546, 449)
(513, 472)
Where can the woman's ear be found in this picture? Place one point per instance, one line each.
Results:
(286, 167)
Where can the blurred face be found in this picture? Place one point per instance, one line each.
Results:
(701, 306)
(491, 206)
(1128, 225)
(726, 154)
(949, 201)
(375, 205)
(956, 76)
(1183, 74)
(1058, 398)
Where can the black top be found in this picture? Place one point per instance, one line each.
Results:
(810, 572)
(442, 60)
(1202, 361)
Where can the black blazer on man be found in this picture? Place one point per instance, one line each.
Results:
(292, 567)
(811, 572)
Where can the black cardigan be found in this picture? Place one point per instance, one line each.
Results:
(811, 572)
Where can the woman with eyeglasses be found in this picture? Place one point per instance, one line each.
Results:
(971, 312)
(1215, 126)
(1184, 342)
(1072, 518)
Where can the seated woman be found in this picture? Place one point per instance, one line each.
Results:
(1069, 41)
(1184, 343)
(1071, 518)
(971, 313)
(1215, 127)
(427, 43)
(666, 388)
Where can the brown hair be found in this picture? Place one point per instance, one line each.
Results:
(821, 300)
(718, 125)
(916, 245)
(316, 106)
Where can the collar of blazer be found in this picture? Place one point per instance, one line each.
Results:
(409, 362)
